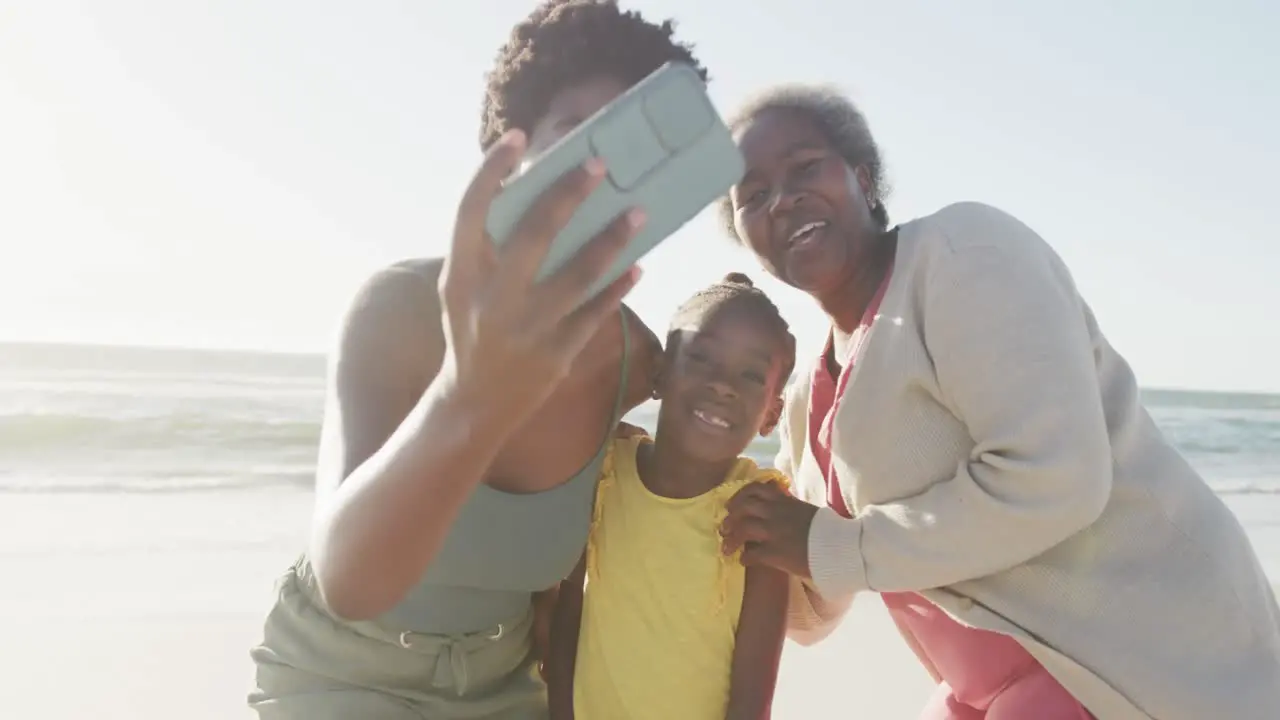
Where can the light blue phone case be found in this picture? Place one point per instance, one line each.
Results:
(667, 151)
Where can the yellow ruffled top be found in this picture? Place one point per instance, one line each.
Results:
(662, 601)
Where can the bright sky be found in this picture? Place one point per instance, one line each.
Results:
(224, 173)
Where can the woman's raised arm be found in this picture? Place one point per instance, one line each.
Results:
(416, 415)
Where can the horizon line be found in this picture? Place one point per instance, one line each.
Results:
(322, 356)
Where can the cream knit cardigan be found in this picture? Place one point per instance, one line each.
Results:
(998, 460)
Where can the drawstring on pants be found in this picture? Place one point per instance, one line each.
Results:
(451, 658)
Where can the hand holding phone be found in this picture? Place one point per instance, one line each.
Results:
(666, 151)
(511, 338)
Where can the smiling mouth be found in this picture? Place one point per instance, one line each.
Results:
(713, 420)
(806, 234)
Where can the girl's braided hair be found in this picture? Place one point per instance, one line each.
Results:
(736, 290)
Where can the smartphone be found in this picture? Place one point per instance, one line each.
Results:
(666, 150)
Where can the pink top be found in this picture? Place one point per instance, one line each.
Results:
(977, 665)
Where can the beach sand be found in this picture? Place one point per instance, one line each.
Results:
(134, 607)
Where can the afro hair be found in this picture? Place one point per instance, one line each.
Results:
(563, 42)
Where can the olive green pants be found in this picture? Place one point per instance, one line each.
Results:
(312, 665)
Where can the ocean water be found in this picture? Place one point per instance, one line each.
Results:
(100, 420)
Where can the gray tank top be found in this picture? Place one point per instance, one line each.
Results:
(503, 547)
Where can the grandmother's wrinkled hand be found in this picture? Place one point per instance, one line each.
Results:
(770, 527)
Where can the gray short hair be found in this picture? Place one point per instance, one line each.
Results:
(837, 118)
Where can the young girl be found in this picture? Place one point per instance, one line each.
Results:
(668, 626)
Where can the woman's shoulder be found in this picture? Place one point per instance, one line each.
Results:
(597, 368)
(973, 240)
(404, 285)
(427, 268)
(971, 225)
(392, 322)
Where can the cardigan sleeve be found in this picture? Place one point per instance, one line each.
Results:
(1014, 361)
(810, 616)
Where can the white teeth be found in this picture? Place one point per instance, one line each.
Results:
(805, 232)
(711, 419)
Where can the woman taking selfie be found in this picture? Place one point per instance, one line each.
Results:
(977, 454)
(467, 416)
